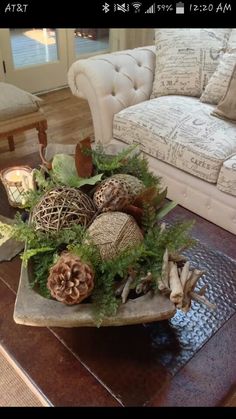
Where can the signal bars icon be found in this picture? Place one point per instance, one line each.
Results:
(151, 9)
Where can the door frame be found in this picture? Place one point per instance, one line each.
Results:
(71, 49)
(25, 77)
(38, 77)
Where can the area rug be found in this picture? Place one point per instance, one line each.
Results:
(14, 392)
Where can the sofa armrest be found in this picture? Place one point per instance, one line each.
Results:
(112, 82)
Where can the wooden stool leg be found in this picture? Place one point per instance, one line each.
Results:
(11, 143)
(42, 136)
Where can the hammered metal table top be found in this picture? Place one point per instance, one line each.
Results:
(138, 359)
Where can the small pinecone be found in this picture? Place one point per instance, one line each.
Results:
(70, 280)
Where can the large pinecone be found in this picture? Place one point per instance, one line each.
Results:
(70, 280)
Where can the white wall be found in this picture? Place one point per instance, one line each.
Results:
(131, 38)
(2, 76)
(139, 37)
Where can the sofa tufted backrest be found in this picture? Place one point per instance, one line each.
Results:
(112, 82)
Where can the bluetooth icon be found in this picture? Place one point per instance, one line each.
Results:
(106, 8)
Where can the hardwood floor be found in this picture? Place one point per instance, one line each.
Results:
(69, 121)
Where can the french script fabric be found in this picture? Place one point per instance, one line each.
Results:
(181, 131)
(227, 177)
(232, 40)
(186, 59)
(226, 109)
(217, 86)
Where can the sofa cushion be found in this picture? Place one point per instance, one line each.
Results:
(179, 130)
(232, 40)
(186, 59)
(227, 177)
(16, 102)
(217, 86)
(226, 109)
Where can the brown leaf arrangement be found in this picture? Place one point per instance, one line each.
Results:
(150, 196)
(70, 279)
(136, 212)
(83, 159)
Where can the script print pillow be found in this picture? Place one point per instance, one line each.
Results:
(226, 109)
(186, 59)
(232, 40)
(218, 84)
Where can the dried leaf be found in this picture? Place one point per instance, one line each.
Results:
(146, 196)
(83, 159)
(136, 212)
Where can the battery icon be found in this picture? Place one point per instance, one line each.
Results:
(180, 8)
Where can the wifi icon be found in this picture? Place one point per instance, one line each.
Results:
(136, 5)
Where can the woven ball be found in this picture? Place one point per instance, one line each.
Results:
(61, 208)
(114, 232)
(117, 191)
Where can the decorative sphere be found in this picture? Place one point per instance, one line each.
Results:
(114, 232)
(61, 208)
(117, 191)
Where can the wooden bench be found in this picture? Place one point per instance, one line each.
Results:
(22, 123)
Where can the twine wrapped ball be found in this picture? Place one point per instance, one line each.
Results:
(114, 232)
(117, 191)
(61, 208)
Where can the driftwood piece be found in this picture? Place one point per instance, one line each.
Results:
(164, 283)
(126, 289)
(189, 287)
(202, 299)
(120, 287)
(174, 257)
(176, 295)
(162, 227)
(144, 284)
(184, 276)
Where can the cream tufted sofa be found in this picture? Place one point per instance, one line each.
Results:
(191, 150)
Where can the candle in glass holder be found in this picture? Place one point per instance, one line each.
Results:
(17, 181)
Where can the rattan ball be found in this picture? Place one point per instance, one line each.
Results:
(61, 208)
(114, 232)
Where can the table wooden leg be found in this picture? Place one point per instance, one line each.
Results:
(42, 136)
(11, 142)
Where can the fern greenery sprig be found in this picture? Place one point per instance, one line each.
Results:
(110, 164)
(128, 161)
(137, 165)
